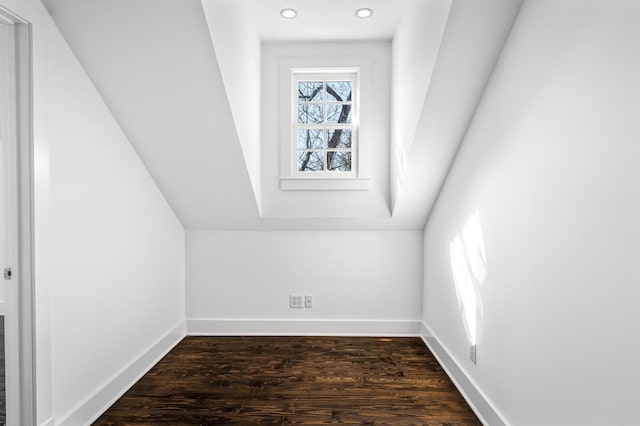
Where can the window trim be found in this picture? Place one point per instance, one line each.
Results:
(325, 184)
(326, 74)
(289, 180)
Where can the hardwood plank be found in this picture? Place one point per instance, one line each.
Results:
(293, 380)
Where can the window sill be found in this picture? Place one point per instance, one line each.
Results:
(325, 184)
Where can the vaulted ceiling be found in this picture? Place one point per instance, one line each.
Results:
(157, 69)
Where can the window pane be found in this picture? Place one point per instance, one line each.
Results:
(310, 114)
(339, 161)
(310, 91)
(339, 113)
(339, 91)
(339, 138)
(310, 138)
(310, 161)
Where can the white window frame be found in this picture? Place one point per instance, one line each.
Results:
(337, 74)
(359, 179)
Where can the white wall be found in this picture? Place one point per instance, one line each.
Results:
(550, 166)
(110, 252)
(238, 51)
(3, 113)
(119, 250)
(475, 34)
(373, 132)
(2, 264)
(159, 77)
(415, 49)
(352, 275)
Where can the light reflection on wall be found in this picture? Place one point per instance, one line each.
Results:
(399, 160)
(469, 269)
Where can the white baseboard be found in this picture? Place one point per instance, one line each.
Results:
(269, 327)
(2, 308)
(470, 391)
(97, 403)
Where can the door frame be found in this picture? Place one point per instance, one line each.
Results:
(19, 226)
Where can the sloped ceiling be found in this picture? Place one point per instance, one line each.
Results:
(317, 21)
(471, 46)
(152, 62)
(156, 68)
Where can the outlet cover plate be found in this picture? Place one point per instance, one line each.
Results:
(295, 301)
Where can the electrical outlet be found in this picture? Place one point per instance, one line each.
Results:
(295, 301)
(472, 353)
(308, 301)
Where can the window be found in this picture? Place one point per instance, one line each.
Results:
(324, 123)
(325, 126)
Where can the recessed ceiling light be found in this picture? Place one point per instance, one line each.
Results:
(288, 13)
(364, 13)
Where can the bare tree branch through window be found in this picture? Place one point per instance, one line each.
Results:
(325, 126)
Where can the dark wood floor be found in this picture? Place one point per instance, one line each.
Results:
(293, 380)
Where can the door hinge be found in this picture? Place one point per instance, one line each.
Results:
(7, 273)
